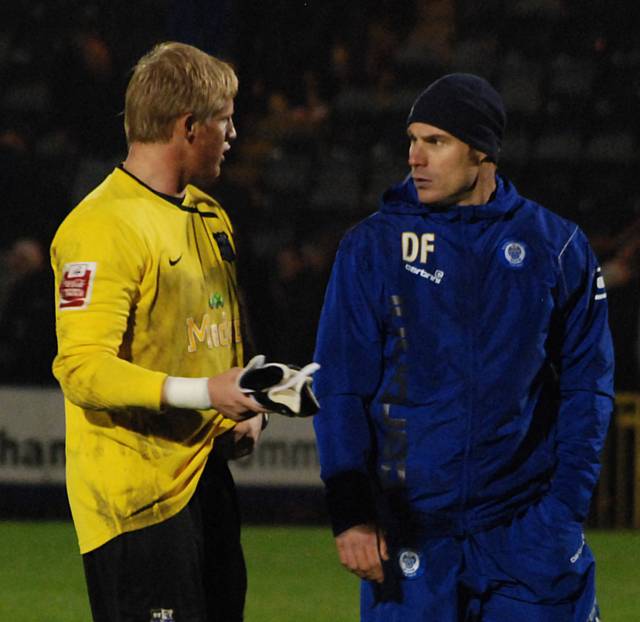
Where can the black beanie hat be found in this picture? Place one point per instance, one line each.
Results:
(467, 107)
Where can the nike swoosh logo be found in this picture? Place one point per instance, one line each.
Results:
(173, 262)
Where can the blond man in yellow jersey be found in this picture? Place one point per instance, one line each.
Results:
(149, 351)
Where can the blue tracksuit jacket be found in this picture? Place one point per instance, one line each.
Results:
(467, 365)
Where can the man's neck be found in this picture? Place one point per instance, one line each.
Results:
(484, 187)
(156, 164)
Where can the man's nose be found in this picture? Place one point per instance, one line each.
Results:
(231, 131)
(417, 157)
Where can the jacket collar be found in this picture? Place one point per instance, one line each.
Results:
(403, 199)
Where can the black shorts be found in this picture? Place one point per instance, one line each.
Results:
(189, 568)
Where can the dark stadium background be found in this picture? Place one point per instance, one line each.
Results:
(325, 87)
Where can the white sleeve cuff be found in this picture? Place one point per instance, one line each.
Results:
(187, 393)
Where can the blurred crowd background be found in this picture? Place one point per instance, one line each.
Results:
(325, 87)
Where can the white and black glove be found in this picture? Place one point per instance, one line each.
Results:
(282, 389)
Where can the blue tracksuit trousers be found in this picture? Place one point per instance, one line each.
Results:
(535, 569)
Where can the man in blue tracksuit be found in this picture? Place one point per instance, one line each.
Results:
(466, 386)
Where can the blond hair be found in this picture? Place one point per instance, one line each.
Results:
(171, 80)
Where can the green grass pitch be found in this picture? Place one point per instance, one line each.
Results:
(294, 575)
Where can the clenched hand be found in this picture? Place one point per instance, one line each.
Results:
(361, 549)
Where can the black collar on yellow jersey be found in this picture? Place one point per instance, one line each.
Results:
(177, 201)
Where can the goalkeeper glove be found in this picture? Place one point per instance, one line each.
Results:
(280, 388)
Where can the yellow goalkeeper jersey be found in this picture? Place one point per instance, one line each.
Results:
(145, 288)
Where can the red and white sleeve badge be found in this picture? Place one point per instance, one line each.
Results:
(76, 285)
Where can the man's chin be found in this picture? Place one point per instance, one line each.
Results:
(206, 181)
(431, 198)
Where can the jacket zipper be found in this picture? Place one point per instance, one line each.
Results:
(470, 310)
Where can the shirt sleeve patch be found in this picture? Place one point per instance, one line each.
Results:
(76, 285)
(600, 294)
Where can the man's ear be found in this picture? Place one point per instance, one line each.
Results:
(189, 124)
(479, 157)
(185, 126)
